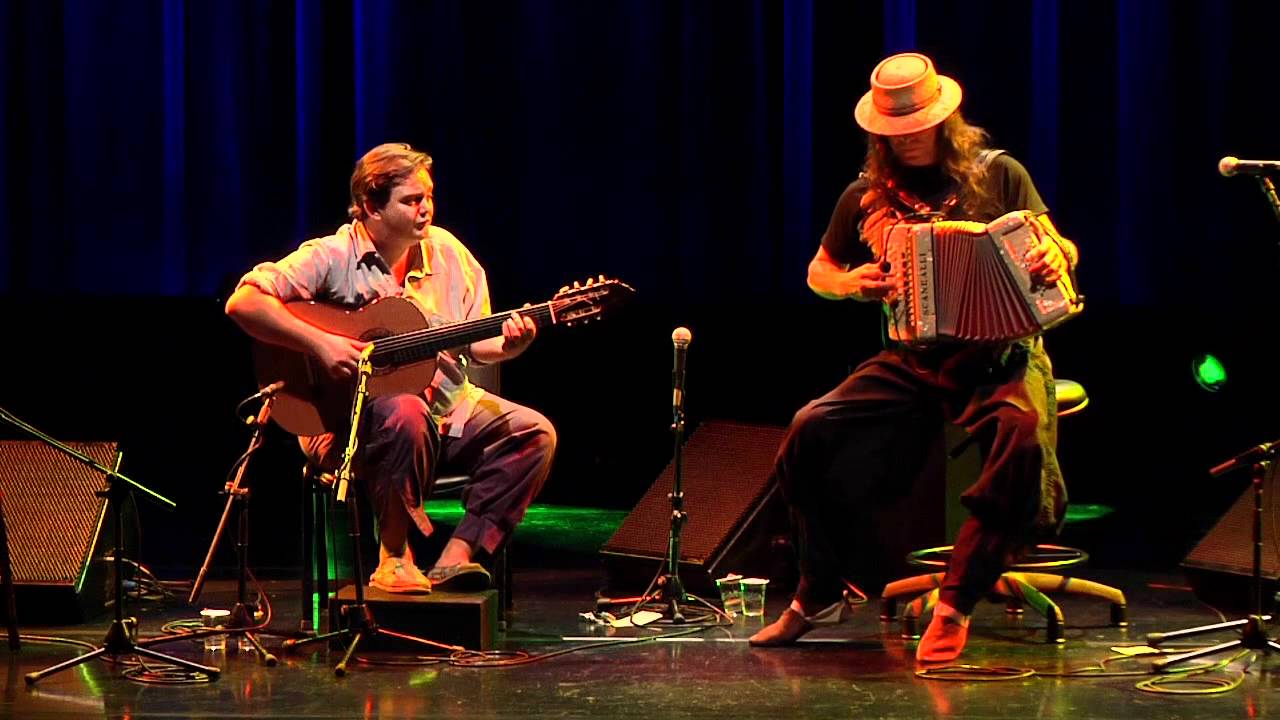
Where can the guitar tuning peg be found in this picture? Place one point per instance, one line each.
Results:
(576, 285)
(591, 281)
(563, 289)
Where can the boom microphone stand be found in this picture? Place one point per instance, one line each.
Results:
(242, 616)
(1253, 629)
(118, 640)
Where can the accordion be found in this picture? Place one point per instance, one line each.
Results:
(968, 282)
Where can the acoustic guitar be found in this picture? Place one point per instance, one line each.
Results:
(404, 349)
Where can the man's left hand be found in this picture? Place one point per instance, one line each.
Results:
(1045, 261)
(518, 332)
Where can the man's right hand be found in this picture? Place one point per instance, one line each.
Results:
(868, 283)
(339, 355)
(834, 281)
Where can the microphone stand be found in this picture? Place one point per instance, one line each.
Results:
(242, 616)
(119, 639)
(1269, 191)
(361, 623)
(670, 593)
(671, 590)
(1253, 629)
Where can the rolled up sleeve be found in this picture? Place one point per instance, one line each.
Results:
(298, 276)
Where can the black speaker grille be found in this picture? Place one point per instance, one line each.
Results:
(50, 509)
(725, 474)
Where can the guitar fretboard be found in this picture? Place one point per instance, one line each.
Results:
(423, 344)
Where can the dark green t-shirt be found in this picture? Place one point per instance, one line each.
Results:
(1008, 183)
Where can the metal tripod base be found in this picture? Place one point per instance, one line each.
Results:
(241, 624)
(361, 625)
(670, 594)
(118, 643)
(1253, 636)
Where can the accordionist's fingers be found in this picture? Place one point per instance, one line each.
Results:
(871, 283)
(1045, 261)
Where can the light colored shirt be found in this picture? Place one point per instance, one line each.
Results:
(444, 280)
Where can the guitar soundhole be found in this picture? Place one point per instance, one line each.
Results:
(371, 335)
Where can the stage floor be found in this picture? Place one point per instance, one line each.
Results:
(861, 669)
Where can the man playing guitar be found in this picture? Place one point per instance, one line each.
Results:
(391, 249)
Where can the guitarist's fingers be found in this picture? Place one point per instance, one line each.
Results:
(511, 327)
(528, 321)
(518, 328)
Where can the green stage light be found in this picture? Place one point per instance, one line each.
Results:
(1209, 372)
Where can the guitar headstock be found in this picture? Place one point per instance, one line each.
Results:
(584, 302)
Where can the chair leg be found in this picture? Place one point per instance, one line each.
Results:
(308, 554)
(321, 499)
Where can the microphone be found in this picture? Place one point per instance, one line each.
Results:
(267, 391)
(680, 339)
(1248, 457)
(1229, 166)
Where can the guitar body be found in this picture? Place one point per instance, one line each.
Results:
(312, 403)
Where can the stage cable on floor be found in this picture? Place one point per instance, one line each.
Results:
(1194, 680)
(461, 657)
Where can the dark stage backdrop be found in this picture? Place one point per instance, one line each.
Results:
(154, 151)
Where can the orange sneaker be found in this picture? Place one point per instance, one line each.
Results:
(396, 575)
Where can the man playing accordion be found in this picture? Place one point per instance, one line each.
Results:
(851, 446)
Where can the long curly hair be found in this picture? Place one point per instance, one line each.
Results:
(958, 146)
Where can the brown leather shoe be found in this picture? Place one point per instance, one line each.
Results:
(791, 624)
(784, 631)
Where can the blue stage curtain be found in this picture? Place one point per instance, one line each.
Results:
(692, 148)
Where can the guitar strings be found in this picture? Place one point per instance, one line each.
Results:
(449, 334)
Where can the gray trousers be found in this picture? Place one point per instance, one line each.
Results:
(505, 448)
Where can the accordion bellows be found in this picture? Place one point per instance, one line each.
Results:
(968, 282)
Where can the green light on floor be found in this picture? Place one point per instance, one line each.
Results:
(583, 529)
(1081, 513)
(426, 677)
(1209, 372)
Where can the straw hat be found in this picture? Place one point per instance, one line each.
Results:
(907, 95)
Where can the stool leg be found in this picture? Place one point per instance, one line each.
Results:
(1015, 586)
(888, 609)
(1012, 606)
(1119, 615)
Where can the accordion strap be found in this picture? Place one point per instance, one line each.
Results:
(909, 201)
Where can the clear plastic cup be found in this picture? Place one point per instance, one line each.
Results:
(753, 596)
(730, 588)
(213, 619)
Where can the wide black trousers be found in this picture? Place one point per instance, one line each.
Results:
(852, 448)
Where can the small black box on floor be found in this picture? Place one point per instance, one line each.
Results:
(466, 619)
